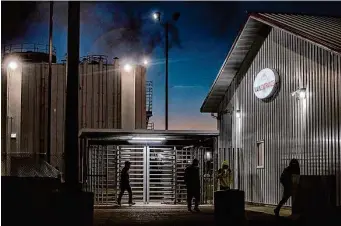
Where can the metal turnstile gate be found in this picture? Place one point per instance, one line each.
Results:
(137, 157)
(160, 175)
(156, 173)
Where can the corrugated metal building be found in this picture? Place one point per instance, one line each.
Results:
(109, 98)
(290, 110)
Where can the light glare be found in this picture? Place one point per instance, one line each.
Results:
(145, 62)
(144, 141)
(149, 138)
(302, 94)
(127, 67)
(13, 65)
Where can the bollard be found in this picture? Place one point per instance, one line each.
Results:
(229, 207)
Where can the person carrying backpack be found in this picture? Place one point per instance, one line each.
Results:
(288, 181)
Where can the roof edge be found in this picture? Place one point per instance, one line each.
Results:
(223, 66)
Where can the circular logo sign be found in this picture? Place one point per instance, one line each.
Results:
(265, 84)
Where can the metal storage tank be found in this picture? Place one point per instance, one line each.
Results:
(100, 102)
(307, 128)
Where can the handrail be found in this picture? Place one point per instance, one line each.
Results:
(27, 47)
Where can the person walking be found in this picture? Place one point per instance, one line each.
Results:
(225, 176)
(192, 180)
(289, 179)
(125, 184)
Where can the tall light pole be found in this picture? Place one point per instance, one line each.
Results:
(157, 16)
(71, 112)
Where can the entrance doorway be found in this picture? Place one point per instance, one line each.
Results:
(156, 173)
(152, 173)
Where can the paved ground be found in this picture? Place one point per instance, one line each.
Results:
(178, 215)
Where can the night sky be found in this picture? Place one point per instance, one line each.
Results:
(200, 41)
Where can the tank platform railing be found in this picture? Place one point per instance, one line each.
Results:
(94, 59)
(26, 48)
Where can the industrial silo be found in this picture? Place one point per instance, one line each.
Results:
(109, 97)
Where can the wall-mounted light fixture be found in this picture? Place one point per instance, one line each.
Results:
(149, 138)
(237, 113)
(144, 141)
(300, 94)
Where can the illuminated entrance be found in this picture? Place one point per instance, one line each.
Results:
(157, 169)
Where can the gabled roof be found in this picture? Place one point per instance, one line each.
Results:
(320, 30)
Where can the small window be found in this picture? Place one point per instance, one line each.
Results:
(260, 154)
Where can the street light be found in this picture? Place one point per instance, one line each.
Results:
(175, 17)
(157, 16)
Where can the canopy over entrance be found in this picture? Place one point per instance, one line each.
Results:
(155, 137)
(158, 162)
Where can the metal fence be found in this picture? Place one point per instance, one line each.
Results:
(22, 164)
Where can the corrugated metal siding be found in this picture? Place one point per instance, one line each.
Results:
(99, 103)
(32, 107)
(325, 31)
(305, 129)
(140, 98)
(98, 97)
(58, 102)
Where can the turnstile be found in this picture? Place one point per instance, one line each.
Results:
(156, 173)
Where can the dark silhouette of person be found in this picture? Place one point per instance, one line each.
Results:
(125, 184)
(287, 180)
(192, 181)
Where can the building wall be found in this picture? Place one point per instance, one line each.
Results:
(140, 98)
(128, 99)
(100, 98)
(308, 130)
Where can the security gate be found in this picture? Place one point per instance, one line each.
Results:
(160, 175)
(156, 173)
(137, 157)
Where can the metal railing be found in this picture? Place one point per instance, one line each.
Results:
(27, 47)
(94, 59)
(150, 125)
(149, 96)
(23, 164)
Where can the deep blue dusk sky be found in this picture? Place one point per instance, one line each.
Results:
(206, 32)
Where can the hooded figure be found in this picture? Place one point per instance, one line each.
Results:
(125, 184)
(289, 180)
(192, 180)
(225, 176)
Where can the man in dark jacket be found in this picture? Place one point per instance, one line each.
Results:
(287, 180)
(125, 185)
(192, 181)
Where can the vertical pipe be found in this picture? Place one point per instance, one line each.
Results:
(71, 122)
(49, 90)
(166, 97)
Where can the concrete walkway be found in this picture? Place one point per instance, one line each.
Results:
(155, 214)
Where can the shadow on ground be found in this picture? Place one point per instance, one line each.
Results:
(175, 216)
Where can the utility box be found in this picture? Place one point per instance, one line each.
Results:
(229, 207)
(316, 196)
